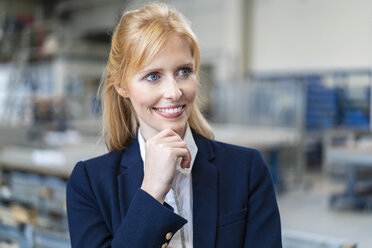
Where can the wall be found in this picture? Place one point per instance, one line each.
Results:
(297, 35)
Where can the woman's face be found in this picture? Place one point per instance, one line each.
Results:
(163, 93)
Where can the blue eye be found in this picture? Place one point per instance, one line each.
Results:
(152, 77)
(184, 72)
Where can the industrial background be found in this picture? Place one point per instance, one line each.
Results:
(290, 77)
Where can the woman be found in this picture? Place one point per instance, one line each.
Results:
(165, 182)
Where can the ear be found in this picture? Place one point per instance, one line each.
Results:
(121, 91)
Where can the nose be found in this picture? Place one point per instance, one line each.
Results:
(172, 90)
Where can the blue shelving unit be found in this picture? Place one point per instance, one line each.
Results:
(333, 99)
(321, 105)
(356, 113)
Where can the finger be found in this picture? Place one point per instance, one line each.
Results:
(186, 161)
(176, 144)
(165, 133)
(170, 139)
(178, 152)
(186, 157)
(164, 136)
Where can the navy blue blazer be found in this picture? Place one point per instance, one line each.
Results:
(234, 203)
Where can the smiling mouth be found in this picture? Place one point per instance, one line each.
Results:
(170, 112)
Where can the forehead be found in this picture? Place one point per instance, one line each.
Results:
(175, 49)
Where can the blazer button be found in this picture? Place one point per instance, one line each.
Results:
(164, 245)
(169, 235)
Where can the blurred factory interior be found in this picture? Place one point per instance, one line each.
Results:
(289, 77)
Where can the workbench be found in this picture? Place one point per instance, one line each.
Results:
(60, 160)
(56, 161)
(355, 161)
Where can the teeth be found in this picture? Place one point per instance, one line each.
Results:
(171, 111)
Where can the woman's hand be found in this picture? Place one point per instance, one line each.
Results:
(162, 152)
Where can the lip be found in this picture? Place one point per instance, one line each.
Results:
(169, 111)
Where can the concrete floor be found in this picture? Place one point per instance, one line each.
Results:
(305, 208)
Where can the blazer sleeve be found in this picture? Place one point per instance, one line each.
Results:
(144, 225)
(263, 221)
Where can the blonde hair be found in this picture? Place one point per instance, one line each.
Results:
(137, 38)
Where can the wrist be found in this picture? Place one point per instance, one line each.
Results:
(157, 194)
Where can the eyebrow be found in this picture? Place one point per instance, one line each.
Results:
(149, 70)
(186, 65)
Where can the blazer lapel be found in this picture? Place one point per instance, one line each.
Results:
(130, 175)
(204, 182)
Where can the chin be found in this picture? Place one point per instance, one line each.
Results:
(177, 127)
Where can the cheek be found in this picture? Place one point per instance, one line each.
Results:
(142, 97)
(190, 90)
